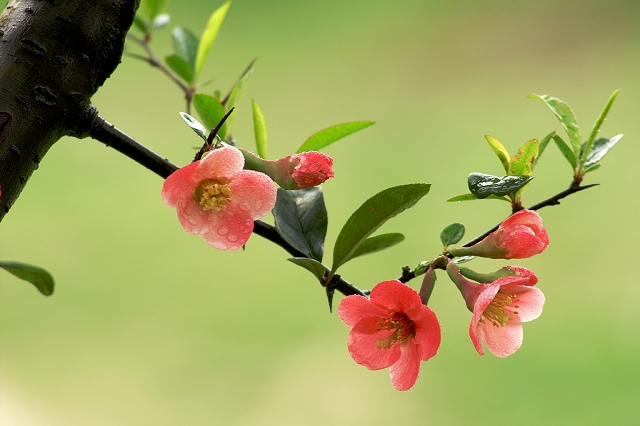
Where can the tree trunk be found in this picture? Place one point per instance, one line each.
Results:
(54, 55)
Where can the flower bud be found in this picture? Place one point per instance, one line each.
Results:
(519, 236)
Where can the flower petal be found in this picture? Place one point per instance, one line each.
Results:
(428, 332)
(253, 192)
(363, 347)
(530, 301)
(354, 308)
(485, 298)
(503, 341)
(522, 242)
(223, 162)
(404, 372)
(193, 219)
(179, 185)
(395, 296)
(232, 229)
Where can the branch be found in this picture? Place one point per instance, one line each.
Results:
(408, 274)
(113, 137)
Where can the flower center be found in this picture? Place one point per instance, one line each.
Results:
(403, 330)
(496, 311)
(213, 194)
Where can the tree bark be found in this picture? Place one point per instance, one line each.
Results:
(54, 55)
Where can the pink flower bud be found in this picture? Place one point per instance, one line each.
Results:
(519, 236)
(310, 168)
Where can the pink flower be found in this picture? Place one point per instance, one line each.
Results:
(391, 329)
(519, 236)
(500, 308)
(218, 200)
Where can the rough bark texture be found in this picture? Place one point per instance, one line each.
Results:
(54, 55)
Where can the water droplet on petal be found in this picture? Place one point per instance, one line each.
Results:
(232, 237)
(245, 206)
(223, 230)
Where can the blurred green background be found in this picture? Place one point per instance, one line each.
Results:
(150, 326)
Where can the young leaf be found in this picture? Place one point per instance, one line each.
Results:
(371, 215)
(452, 234)
(186, 45)
(565, 150)
(195, 125)
(543, 145)
(37, 276)
(564, 114)
(161, 21)
(180, 67)
(315, 267)
(140, 22)
(233, 98)
(260, 130)
(327, 136)
(482, 185)
(599, 149)
(522, 162)
(208, 37)
(210, 110)
(301, 220)
(500, 151)
(463, 259)
(591, 169)
(153, 8)
(597, 125)
(377, 243)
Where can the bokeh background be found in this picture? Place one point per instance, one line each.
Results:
(150, 326)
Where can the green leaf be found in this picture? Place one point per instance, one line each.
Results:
(377, 243)
(500, 151)
(327, 136)
(301, 220)
(140, 22)
(233, 98)
(543, 145)
(371, 215)
(522, 162)
(565, 150)
(195, 125)
(482, 185)
(186, 45)
(599, 149)
(463, 259)
(315, 267)
(564, 114)
(259, 129)
(452, 234)
(180, 67)
(591, 169)
(208, 37)
(153, 8)
(161, 21)
(37, 276)
(210, 111)
(470, 197)
(597, 125)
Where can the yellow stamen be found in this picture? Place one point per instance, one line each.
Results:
(213, 194)
(403, 326)
(496, 312)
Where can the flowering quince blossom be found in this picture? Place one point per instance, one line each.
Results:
(499, 308)
(519, 236)
(391, 329)
(218, 200)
